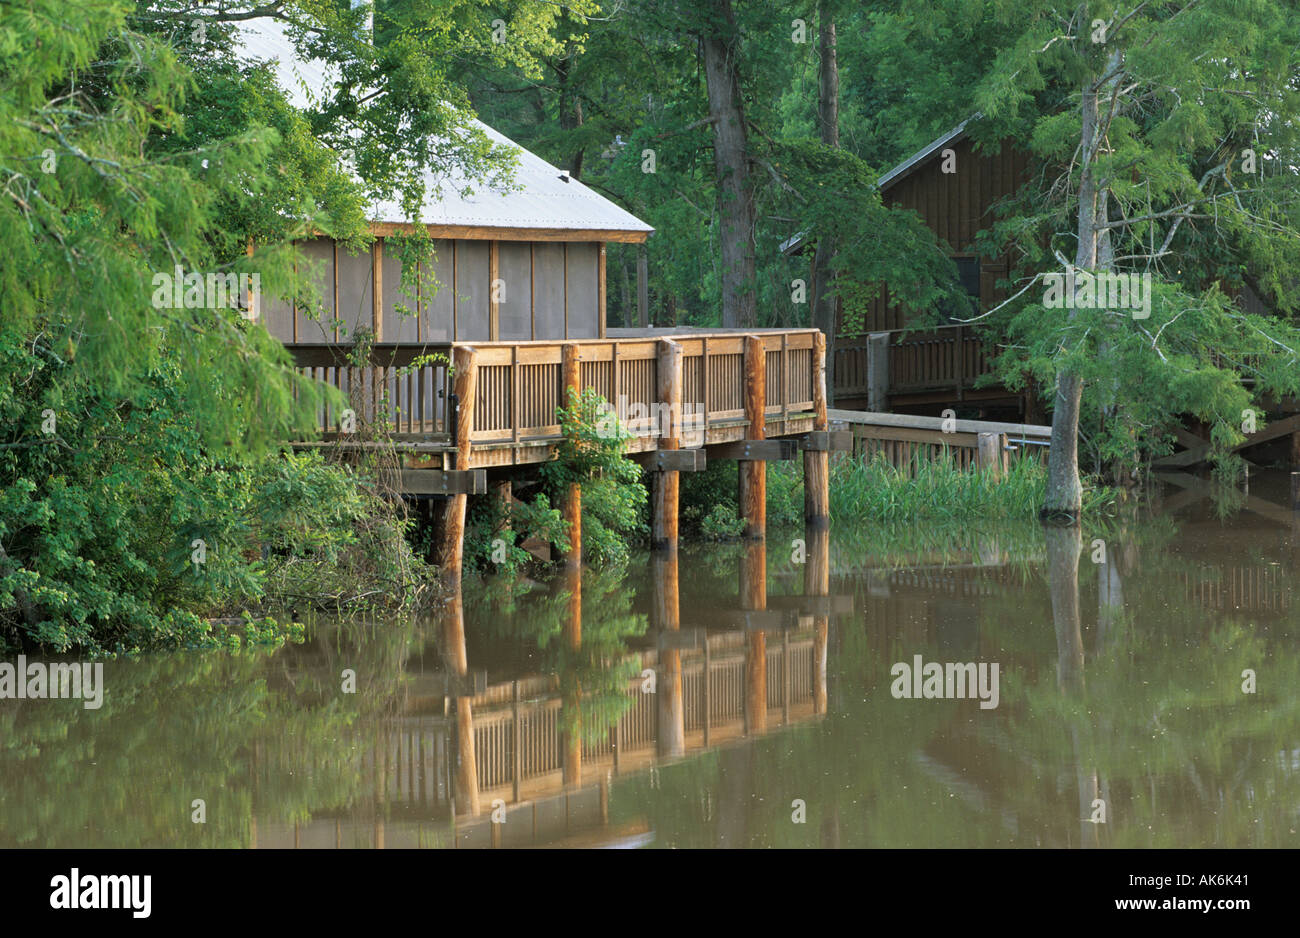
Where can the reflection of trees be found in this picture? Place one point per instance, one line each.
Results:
(601, 667)
(249, 732)
(1138, 703)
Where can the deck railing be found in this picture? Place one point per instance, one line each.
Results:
(520, 384)
(405, 384)
(900, 362)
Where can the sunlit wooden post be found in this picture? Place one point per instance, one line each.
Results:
(817, 582)
(667, 483)
(816, 462)
(753, 472)
(572, 507)
(671, 738)
(451, 556)
(453, 633)
(753, 597)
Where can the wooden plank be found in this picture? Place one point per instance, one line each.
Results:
(821, 441)
(672, 460)
(1196, 454)
(872, 418)
(756, 450)
(439, 481)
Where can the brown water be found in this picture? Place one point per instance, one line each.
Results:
(1121, 718)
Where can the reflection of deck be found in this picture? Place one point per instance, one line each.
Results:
(519, 751)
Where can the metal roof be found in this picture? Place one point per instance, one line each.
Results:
(545, 198)
(906, 167)
(794, 243)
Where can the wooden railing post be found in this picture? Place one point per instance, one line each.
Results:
(571, 373)
(991, 447)
(453, 537)
(878, 372)
(753, 473)
(816, 463)
(667, 483)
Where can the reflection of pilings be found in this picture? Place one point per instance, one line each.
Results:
(573, 703)
(671, 717)
(453, 625)
(817, 582)
(753, 473)
(753, 596)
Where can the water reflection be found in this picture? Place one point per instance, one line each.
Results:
(732, 695)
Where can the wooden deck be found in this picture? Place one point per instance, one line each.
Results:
(405, 390)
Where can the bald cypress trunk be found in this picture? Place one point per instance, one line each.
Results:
(720, 49)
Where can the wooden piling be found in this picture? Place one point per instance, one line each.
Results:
(451, 555)
(753, 473)
(667, 484)
(572, 507)
(990, 454)
(670, 741)
(816, 463)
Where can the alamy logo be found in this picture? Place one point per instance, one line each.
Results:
(75, 891)
(1080, 289)
(55, 680)
(932, 680)
(193, 290)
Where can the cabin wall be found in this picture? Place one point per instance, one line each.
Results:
(956, 207)
(545, 290)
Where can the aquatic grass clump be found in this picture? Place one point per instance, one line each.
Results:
(931, 489)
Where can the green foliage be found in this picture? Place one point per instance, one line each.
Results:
(591, 455)
(102, 518)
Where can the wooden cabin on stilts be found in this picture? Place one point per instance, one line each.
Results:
(470, 354)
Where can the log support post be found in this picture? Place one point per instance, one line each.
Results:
(753, 473)
(667, 483)
(451, 555)
(816, 463)
(571, 373)
(991, 453)
(572, 507)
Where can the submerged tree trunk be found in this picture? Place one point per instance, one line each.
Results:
(720, 48)
(1064, 491)
(828, 119)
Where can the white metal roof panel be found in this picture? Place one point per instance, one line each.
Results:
(545, 198)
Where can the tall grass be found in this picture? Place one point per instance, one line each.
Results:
(934, 490)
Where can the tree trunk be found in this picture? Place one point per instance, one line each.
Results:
(720, 49)
(570, 107)
(1064, 491)
(828, 120)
